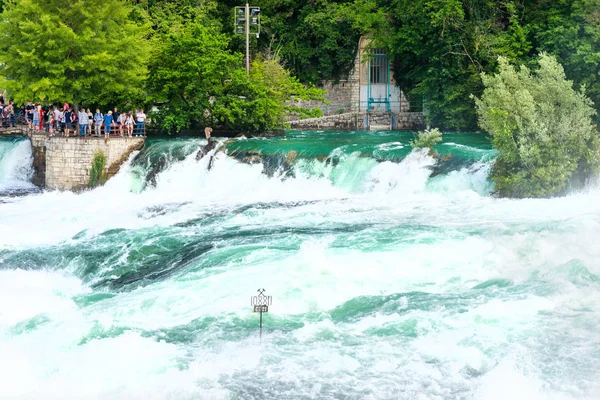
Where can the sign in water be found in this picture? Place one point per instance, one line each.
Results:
(261, 304)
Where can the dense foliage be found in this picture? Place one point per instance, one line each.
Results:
(542, 128)
(81, 52)
(200, 82)
(129, 51)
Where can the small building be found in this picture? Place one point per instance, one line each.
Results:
(368, 98)
(378, 89)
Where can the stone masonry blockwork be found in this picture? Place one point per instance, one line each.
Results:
(65, 163)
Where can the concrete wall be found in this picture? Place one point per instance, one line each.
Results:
(64, 163)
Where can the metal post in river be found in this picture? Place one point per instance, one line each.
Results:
(261, 304)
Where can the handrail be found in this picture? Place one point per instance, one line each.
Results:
(91, 130)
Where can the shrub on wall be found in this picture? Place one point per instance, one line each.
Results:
(98, 170)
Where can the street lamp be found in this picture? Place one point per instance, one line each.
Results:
(247, 21)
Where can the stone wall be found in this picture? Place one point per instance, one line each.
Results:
(38, 150)
(408, 121)
(68, 160)
(339, 121)
(363, 120)
(343, 94)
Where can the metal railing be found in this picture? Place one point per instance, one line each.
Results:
(88, 130)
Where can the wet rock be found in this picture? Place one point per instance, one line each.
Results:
(204, 150)
(291, 157)
(252, 160)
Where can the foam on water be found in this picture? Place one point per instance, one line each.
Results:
(387, 284)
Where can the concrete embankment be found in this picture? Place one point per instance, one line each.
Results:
(64, 163)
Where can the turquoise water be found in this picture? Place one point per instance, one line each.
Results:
(393, 276)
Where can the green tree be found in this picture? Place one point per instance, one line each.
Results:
(265, 102)
(81, 52)
(570, 30)
(542, 128)
(441, 46)
(197, 81)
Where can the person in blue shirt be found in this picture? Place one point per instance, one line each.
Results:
(108, 123)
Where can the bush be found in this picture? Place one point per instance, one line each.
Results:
(542, 129)
(98, 171)
(427, 139)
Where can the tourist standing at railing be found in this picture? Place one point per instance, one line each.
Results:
(116, 120)
(41, 112)
(68, 122)
(4, 114)
(83, 122)
(56, 113)
(29, 114)
(35, 119)
(50, 123)
(122, 122)
(129, 121)
(61, 121)
(11, 114)
(108, 122)
(91, 121)
(98, 118)
(141, 119)
(74, 121)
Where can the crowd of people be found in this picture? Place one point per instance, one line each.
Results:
(66, 121)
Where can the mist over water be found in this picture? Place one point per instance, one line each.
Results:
(393, 276)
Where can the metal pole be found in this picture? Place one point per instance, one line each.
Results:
(260, 329)
(248, 42)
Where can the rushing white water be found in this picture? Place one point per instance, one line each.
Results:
(387, 284)
(16, 165)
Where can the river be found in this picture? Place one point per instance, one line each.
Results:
(392, 277)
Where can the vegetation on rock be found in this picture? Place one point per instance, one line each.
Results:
(427, 139)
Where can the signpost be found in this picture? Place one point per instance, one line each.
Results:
(247, 21)
(261, 304)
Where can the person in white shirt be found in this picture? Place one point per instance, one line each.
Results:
(141, 119)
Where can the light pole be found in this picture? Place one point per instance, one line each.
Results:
(247, 21)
